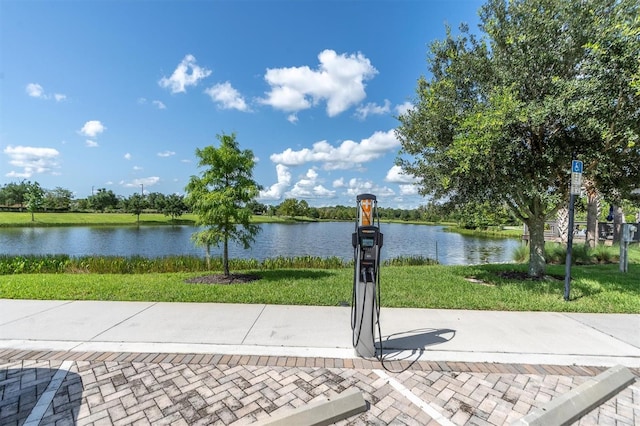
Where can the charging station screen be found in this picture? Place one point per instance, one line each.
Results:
(367, 242)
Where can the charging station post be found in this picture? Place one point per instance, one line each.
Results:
(367, 241)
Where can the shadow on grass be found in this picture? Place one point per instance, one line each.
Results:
(294, 274)
(586, 280)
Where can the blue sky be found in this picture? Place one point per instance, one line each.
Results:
(119, 94)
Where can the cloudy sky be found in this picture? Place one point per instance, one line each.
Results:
(119, 94)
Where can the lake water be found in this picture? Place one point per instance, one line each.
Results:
(322, 239)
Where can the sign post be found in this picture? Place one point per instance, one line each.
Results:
(576, 187)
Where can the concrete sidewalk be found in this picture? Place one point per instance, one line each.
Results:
(310, 331)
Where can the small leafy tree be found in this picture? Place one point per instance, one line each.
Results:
(103, 199)
(156, 201)
(135, 204)
(58, 199)
(220, 196)
(174, 206)
(34, 198)
(289, 207)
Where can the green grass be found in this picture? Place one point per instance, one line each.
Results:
(13, 219)
(556, 253)
(9, 219)
(490, 232)
(595, 288)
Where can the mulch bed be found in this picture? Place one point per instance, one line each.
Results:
(224, 279)
(517, 276)
(524, 276)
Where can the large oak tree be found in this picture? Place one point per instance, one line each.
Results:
(503, 115)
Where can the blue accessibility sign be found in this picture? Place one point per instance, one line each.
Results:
(576, 166)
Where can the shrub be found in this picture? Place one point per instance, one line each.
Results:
(606, 254)
(521, 254)
(33, 264)
(410, 261)
(142, 265)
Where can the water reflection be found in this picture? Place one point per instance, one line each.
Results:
(276, 239)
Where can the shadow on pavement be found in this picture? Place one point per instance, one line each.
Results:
(417, 339)
(21, 388)
(410, 345)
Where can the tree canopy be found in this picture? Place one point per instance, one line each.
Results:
(220, 196)
(503, 115)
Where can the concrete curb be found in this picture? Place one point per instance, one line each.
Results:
(347, 404)
(574, 404)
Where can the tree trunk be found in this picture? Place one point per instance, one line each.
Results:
(562, 219)
(225, 256)
(537, 263)
(33, 218)
(618, 220)
(593, 210)
(207, 255)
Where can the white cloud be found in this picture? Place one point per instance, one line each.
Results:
(137, 168)
(407, 183)
(364, 111)
(395, 175)
(227, 97)
(309, 187)
(91, 144)
(127, 156)
(148, 181)
(292, 118)
(166, 154)
(408, 189)
(339, 183)
(155, 103)
(186, 74)
(339, 80)
(347, 155)
(403, 108)
(37, 91)
(92, 128)
(31, 160)
(276, 190)
(360, 186)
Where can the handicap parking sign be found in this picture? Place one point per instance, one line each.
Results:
(576, 166)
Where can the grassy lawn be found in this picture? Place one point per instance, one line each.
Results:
(595, 288)
(10, 219)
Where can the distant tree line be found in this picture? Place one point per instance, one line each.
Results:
(471, 217)
(29, 196)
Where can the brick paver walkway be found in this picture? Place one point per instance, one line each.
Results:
(202, 389)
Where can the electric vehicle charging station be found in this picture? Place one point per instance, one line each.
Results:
(628, 232)
(367, 241)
